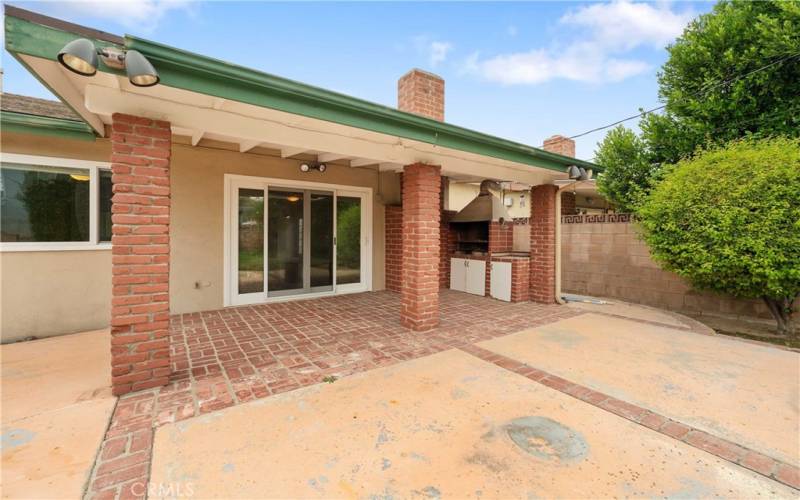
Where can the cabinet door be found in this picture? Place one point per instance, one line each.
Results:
(458, 274)
(500, 281)
(476, 277)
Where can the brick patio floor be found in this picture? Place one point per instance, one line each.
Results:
(231, 356)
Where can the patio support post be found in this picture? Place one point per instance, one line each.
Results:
(543, 244)
(421, 217)
(140, 207)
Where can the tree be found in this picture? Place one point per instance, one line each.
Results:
(733, 73)
(728, 220)
(628, 173)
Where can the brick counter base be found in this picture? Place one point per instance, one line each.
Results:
(717, 446)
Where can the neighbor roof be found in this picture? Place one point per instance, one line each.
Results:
(42, 37)
(34, 106)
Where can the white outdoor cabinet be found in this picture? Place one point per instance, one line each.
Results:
(467, 275)
(500, 281)
(458, 274)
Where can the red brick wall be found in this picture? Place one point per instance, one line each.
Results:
(421, 224)
(140, 157)
(543, 243)
(501, 236)
(568, 204)
(394, 247)
(448, 247)
(421, 93)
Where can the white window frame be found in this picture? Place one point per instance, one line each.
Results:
(93, 167)
(234, 181)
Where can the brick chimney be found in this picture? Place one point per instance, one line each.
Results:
(422, 93)
(561, 145)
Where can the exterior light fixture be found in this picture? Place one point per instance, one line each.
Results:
(306, 167)
(140, 72)
(81, 56)
(574, 172)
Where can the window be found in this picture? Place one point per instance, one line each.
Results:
(53, 203)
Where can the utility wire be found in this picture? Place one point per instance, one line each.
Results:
(700, 93)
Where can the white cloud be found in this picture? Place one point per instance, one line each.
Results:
(435, 50)
(136, 15)
(610, 30)
(439, 52)
(625, 25)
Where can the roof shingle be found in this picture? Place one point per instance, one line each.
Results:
(35, 106)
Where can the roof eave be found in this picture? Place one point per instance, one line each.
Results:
(46, 125)
(196, 73)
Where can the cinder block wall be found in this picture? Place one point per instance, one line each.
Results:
(608, 259)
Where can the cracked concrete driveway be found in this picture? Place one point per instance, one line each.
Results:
(502, 419)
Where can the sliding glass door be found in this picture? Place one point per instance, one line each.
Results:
(295, 240)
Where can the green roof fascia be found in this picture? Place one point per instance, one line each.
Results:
(185, 70)
(22, 123)
(189, 71)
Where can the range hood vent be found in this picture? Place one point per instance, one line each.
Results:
(485, 207)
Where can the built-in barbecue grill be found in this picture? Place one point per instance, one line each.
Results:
(471, 224)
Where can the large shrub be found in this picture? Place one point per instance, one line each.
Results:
(728, 220)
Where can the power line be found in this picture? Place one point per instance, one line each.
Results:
(700, 93)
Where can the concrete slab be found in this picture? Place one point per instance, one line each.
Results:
(50, 455)
(56, 405)
(742, 392)
(59, 370)
(447, 425)
(634, 311)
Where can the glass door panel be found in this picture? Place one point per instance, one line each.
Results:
(250, 241)
(348, 240)
(286, 221)
(321, 241)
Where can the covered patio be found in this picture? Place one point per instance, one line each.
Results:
(232, 187)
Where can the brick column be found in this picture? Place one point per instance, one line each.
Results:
(140, 357)
(421, 218)
(543, 244)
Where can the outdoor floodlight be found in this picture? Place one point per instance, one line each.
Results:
(305, 167)
(574, 172)
(140, 72)
(80, 56)
(322, 167)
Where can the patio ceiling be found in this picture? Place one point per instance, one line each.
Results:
(204, 98)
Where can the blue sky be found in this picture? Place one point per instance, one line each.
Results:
(522, 71)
